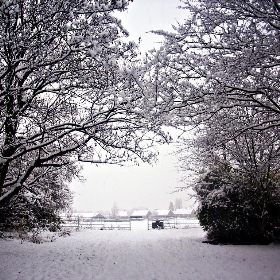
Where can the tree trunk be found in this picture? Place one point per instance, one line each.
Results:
(3, 173)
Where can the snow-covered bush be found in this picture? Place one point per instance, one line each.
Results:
(38, 206)
(24, 214)
(236, 209)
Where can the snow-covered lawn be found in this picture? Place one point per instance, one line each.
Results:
(137, 254)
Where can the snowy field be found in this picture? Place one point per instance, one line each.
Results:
(137, 254)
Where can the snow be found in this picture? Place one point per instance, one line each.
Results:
(151, 254)
(139, 225)
(122, 213)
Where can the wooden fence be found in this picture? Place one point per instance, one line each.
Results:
(125, 224)
(106, 224)
(176, 223)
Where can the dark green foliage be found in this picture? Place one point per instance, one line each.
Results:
(237, 210)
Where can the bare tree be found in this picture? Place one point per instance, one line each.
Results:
(114, 211)
(178, 203)
(69, 90)
(220, 69)
(224, 56)
(171, 206)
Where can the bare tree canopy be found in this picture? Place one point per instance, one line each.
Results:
(70, 91)
(224, 56)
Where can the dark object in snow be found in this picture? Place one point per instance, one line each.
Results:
(158, 224)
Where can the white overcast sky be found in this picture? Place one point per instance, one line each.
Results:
(144, 185)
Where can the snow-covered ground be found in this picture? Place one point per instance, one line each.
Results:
(137, 254)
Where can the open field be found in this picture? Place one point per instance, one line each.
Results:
(137, 254)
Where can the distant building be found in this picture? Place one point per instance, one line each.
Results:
(184, 213)
(89, 216)
(163, 213)
(140, 214)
